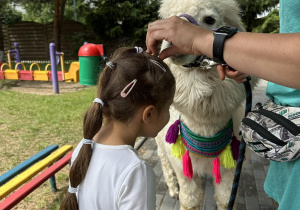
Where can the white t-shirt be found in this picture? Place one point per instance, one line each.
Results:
(116, 179)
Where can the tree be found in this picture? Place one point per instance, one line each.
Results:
(269, 23)
(69, 11)
(121, 18)
(36, 6)
(42, 12)
(58, 18)
(252, 8)
(8, 15)
(2, 4)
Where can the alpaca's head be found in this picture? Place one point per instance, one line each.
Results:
(209, 14)
(199, 90)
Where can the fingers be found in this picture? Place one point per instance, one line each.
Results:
(221, 72)
(181, 33)
(156, 32)
(231, 74)
(168, 52)
(236, 75)
(172, 30)
(241, 78)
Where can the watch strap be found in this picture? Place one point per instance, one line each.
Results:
(218, 46)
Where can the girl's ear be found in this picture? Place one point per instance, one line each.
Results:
(148, 114)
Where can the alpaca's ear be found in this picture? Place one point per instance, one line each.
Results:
(235, 22)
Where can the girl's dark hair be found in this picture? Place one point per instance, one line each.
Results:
(154, 86)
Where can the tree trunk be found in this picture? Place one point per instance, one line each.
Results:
(1, 36)
(56, 27)
(58, 19)
(1, 42)
(61, 19)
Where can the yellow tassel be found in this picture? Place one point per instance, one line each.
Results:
(178, 148)
(226, 158)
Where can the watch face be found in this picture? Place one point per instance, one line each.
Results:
(226, 29)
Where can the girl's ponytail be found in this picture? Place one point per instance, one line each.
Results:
(91, 125)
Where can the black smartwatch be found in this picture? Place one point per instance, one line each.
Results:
(219, 38)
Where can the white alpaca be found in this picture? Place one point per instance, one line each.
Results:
(204, 103)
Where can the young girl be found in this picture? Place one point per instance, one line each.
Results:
(135, 91)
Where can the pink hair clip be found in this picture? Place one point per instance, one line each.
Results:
(123, 93)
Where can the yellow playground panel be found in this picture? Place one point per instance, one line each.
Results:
(73, 73)
(41, 75)
(10, 73)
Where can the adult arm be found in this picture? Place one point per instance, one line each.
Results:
(273, 57)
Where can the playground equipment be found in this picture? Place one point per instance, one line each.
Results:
(91, 58)
(51, 157)
(16, 53)
(20, 72)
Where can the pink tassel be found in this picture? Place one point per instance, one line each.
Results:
(172, 133)
(235, 147)
(187, 165)
(216, 170)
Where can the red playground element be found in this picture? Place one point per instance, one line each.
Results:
(2, 71)
(101, 49)
(90, 49)
(26, 189)
(1, 75)
(24, 74)
(59, 75)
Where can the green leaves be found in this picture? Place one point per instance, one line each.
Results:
(269, 23)
(122, 19)
(9, 15)
(254, 11)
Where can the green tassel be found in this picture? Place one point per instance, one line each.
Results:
(226, 158)
(178, 148)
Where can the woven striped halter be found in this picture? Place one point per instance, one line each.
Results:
(206, 146)
(211, 147)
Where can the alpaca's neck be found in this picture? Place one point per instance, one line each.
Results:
(205, 126)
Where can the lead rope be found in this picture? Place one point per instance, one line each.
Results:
(241, 158)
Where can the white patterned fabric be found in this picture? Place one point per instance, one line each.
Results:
(266, 148)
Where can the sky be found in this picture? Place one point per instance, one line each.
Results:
(18, 8)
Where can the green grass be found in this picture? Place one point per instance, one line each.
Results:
(29, 123)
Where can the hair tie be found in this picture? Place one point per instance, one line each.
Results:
(158, 64)
(110, 65)
(139, 49)
(72, 189)
(99, 101)
(87, 141)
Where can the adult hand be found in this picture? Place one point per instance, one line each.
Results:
(185, 37)
(223, 71)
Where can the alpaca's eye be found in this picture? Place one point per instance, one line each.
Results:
(209, 20)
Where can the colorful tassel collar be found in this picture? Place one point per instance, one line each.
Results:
(203, 146)
(206, 146)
